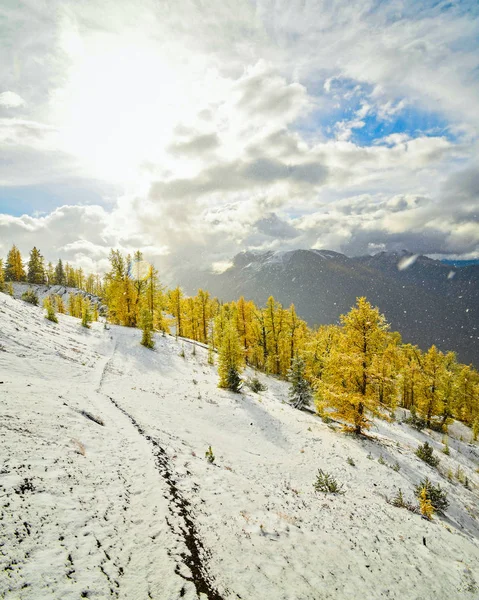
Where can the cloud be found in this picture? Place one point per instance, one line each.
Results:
(11, 100)
(206, 129)
(196, 144)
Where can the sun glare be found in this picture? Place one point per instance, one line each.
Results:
(120, 105)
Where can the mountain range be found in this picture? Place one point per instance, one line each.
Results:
(427, 301)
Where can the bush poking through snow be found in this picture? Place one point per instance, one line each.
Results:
(435, 494)
(350, 461)
(400, 502)
(326, 483)
(415, 421)
(425, 453)
(210, 457)
(255, 385)
(30, 297)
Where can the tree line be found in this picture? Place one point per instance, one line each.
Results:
(37, 271)
(353, 369)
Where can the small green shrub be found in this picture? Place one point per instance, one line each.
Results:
(400, 502)
(396, 466)
(435, 494)
(255, 385)
(326, 483)
(415, 421)
(381, 460)
(210, 457)
(425, 453)
(350, 461)
(30, 297)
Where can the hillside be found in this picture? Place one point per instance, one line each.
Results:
(427, 301)
(126, 505)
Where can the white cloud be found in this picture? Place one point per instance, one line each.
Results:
(11, 100)
(231, 126)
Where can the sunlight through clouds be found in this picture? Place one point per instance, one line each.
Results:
(204, 130)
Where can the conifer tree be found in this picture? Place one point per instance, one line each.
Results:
(71, 305)
(59, 305)
(60, 278)
(14, 270)
(475, 429)
(433, 373)
(120, 293)
(49, 306)
(70, 278)
(50, 274)
(300, 390)
(146, 324)
(425, 504)
(36, 267)
(231, 358)
(203, 302)
(274, 322)
(2, 277)
(85, 313)
(348, 385)
(176, 307)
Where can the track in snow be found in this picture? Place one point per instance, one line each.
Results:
(189, 534)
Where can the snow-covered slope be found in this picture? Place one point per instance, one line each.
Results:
(132, 509)
(43, 291)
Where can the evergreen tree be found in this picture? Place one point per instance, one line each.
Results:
(300, 390)
(60, 278)
(347, 385)
(425, 504)
(50, 274)
(431, 390)
(14, 270)
(59, 305)
(176, 307)
(146, 324)
(120, 293)
(36, 267)
(231, 358)
(86, 313)
(2, 277)
(72, 305)
(49, 305)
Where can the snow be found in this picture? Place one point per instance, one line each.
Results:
(44, 291)
(132, 509)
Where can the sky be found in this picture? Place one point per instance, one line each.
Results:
(195, 130)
